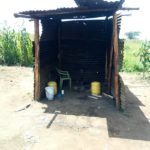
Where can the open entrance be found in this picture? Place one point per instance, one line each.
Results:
(77, 46)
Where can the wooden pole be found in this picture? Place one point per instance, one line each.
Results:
(116, 68)
(59, 42)
(106, 57)
(106, 67)
(111, 59)
(37, 61)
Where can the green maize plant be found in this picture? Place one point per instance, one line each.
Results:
(15, 47)
(26, 48)
(9, 46)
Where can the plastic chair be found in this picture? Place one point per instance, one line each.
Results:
(64, 75)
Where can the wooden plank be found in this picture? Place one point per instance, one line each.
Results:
(130, 8)
(37, 61)
(116, 68)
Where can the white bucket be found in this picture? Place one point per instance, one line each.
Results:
(49, 91)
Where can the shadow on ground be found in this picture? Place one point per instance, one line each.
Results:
(131, 124)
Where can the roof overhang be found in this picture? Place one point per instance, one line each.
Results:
(99, 9)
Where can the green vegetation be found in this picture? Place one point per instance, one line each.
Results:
(131, 57)
(15, 47)
(145, 57)
(136, 56)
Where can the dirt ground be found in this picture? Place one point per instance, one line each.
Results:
(74, 123)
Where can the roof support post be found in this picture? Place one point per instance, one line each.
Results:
(37, 61)
(116, 67)
(106, 55)
(111, 59)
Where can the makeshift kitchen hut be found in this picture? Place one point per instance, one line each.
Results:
(82, 40)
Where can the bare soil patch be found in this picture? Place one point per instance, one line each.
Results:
(75, 123)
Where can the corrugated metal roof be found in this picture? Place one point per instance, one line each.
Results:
(86, 8)
(97, 3)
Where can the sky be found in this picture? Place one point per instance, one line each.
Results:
(139, 21)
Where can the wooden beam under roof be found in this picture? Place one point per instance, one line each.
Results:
(129, 8)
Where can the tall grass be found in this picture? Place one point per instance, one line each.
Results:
(131, 61)
(137, 57)
(15, 47)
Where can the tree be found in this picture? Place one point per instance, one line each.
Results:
(132, 35)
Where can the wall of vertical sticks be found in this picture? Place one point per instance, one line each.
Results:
(84, 45)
